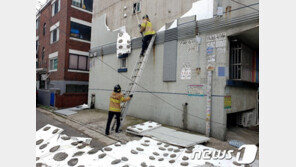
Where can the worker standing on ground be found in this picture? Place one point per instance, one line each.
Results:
(146, 29)
(114, 107)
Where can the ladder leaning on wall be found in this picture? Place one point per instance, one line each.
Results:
(135, 78)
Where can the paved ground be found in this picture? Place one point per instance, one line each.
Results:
(245, 135)
(93, 122)
(43, 119)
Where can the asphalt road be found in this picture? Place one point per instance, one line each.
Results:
(43, 119)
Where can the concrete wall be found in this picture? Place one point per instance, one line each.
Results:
(147, 106)
(236, 8)
(242, 99)
(159, 11)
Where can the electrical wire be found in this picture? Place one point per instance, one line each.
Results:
(114, 69)
(50, 19)
(245, 5)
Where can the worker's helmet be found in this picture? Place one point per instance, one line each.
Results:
(117, 88)
(145, 16)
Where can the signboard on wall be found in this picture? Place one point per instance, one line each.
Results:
(227, 103)
(195, 90)
(186, 71)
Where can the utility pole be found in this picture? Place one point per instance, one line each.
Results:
(209, 103)
(210, 68)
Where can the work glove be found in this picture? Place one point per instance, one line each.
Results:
(131, 95)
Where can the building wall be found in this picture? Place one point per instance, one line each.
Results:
(64, 43)
(237, 9)
(76, 45)
(45, 17)
(190, 53)
(159, 11)
(58, 79)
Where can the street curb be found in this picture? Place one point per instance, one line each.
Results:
(81, 127)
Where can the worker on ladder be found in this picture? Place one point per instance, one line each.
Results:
(146, 28)
(114, 107)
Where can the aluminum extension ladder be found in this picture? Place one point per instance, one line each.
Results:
(135, 78)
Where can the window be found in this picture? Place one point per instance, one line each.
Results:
(54, 35)
(123, 63)
(235, 60)
(41, 82)
(78, 62)
(136, 7)
(84, 4)
(43, 53)
(37, 23)
(123, 67)
(55, 7)
(53, 64)
(37, 46)
(44, 27)
(71, 88)
(80, 31)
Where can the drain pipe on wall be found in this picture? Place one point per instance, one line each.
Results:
(185, 118)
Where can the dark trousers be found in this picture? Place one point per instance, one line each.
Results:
(110, 117)
(146, 40)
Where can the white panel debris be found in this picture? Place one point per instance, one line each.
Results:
(174, 25)
(161, 29)
(123, 43)
(58, 150)
(72, 110)
(203, 9)
(83, 139)
(155, 130)
(143, 127)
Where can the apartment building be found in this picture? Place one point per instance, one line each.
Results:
(63, 35)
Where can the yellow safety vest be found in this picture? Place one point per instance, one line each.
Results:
(115, 100)
(148, 28)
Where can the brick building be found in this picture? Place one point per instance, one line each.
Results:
(63, 32)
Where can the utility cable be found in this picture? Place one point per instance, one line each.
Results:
(114, 69)
(245, 5)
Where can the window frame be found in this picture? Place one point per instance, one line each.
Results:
(37, 45)
(77, 64)
(55, 4)
(37, 23)
(123, 63)
(138, 7)
(235, 60)
(57, 30)
(71, 36)
(80, 6)
(44, 29)
(42, 54)
(52, 64)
